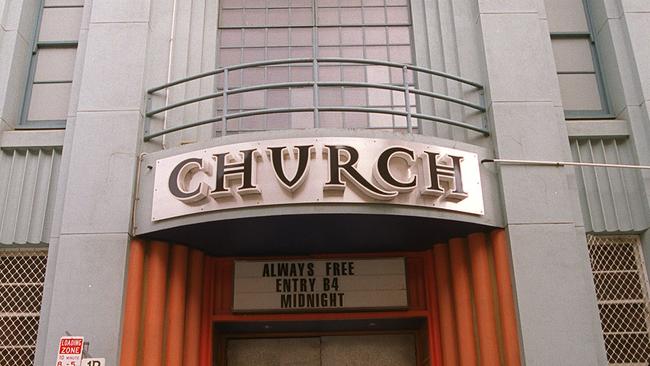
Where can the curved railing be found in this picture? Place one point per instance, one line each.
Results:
(226, 91)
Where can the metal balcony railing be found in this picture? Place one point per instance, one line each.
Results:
(223, 91)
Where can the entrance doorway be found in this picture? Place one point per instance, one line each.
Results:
(327, 350)
(357, 337)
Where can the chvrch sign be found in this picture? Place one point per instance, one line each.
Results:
(318, 285)
(317, 170)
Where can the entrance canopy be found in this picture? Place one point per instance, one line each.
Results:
(315, 233)
(303, 192)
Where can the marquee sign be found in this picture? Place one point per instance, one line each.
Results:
(317, 170)
(314, 285)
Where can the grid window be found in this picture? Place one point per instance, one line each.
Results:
(621, 283)
(251, 31)
(22, 274)
(581, 85)
(52, 64)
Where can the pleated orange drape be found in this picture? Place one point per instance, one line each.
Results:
(162, 311)
(476, 309)
(473, 293)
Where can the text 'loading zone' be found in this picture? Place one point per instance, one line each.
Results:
(320, 170)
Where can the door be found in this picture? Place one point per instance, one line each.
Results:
(332, 350)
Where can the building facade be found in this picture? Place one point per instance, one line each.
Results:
(367, 182)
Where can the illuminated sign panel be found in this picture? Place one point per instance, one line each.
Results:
(316, 285)
(317, 170)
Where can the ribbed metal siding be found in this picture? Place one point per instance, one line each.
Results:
(610, 198)
(28, 179)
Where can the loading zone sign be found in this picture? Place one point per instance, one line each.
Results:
(70, 351)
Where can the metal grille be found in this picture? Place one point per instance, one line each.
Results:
(22, 273)
(622, 292)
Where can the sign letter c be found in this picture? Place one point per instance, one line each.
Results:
(179, 176)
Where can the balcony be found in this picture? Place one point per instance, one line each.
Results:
(366, 94)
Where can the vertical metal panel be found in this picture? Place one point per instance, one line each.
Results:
(28, 179)
(610, 198)
(444, 39)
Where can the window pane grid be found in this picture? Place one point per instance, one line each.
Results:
(581, 82)
(369, 29)
(52, 64)
(622, 295)
(242, 17)
(567, 15)
(59, 23)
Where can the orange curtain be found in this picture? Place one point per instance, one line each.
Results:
(473, 288)
(166, 280)
(476, 310)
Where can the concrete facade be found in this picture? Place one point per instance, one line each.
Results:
(127, 47)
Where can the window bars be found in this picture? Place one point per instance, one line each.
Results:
(301, 64)
(22, 274)
(224, 114)
(621, 283)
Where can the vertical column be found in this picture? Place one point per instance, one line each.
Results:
(193, 313)
(88, 275)
(133, 304)
(188, 37)
(445, 39)
(205, 344)
(435, 341)
(461, 280)
(175, 321)
(445, 305)
(485, 315)
(156, 267)
(507, 313)
(171, 304)
(549, 256)
(633, 26)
